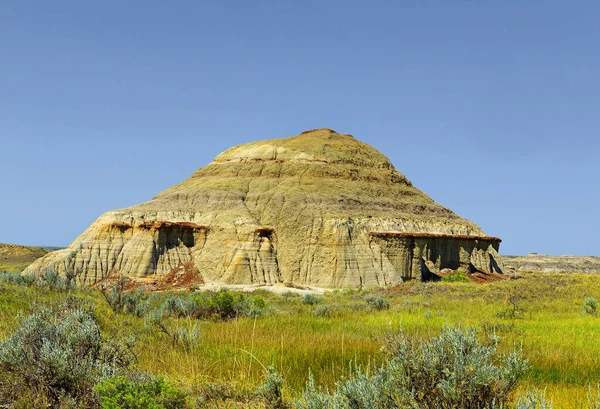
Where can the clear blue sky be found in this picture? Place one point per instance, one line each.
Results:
(490, 107)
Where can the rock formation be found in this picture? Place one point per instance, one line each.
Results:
(319, 209)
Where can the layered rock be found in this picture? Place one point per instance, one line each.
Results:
(542, 263)
(305, 210)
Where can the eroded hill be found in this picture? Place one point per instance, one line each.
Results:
(15, 258)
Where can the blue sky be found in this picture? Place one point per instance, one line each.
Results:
(490, 107)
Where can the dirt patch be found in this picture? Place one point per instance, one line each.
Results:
(185, 276)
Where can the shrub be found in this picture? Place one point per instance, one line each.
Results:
(594, 398)
(155, 393)
(590, 306)
(378, 302)
(459, 276)
(122, 301)
(270, 390)
(60, 354)
(184, 337)
(311, 299)
(223, 305)
(53, 281)
(453, 370)
(181, 307)
(513, 309)
(323, 311)
(18, 279)
(253, 308)
(290, 295)
(533, 400)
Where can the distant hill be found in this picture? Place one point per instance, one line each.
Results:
(553, 264)
(15, 258)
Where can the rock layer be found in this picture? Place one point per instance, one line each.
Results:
(553, 264)
(304, 210)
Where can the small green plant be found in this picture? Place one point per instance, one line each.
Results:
(122, 301)
(154, 393)
(323, 311)
(181, 307)
(513, 309)
(457, 277)
(533, 400)
(378, 302)
(290, 295)
(184, 337)
(270, 390)
(311, 299)
(590, 306)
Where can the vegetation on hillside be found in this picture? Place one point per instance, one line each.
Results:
(14, 258)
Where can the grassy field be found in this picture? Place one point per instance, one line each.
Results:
(559, 339)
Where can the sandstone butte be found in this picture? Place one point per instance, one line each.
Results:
(320, 209)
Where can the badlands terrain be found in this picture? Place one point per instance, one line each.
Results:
(302, 272)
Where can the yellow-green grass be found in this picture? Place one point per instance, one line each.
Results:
(560, 341)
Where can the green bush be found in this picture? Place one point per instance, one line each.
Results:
(457, 277)
(590, 306)
(270, 390)
(323, 311)
(453, 370)
(185, 337)
(122, 393)
(533, 400)
(181, 307)
(378, 302)
(290, 295)
(60, 353)
(127, 302)
(311, 299)
(18, 279)
(223, 305)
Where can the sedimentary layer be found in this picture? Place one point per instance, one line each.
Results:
(299, 210)
(553, 264)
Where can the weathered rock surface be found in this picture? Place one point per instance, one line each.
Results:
(552, 264)
(303, 210)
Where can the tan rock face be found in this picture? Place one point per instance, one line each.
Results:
(296, 210)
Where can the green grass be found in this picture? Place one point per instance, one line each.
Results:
(556, 336)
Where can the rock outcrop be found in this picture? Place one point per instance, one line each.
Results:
(318, 209)
(541, 263)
